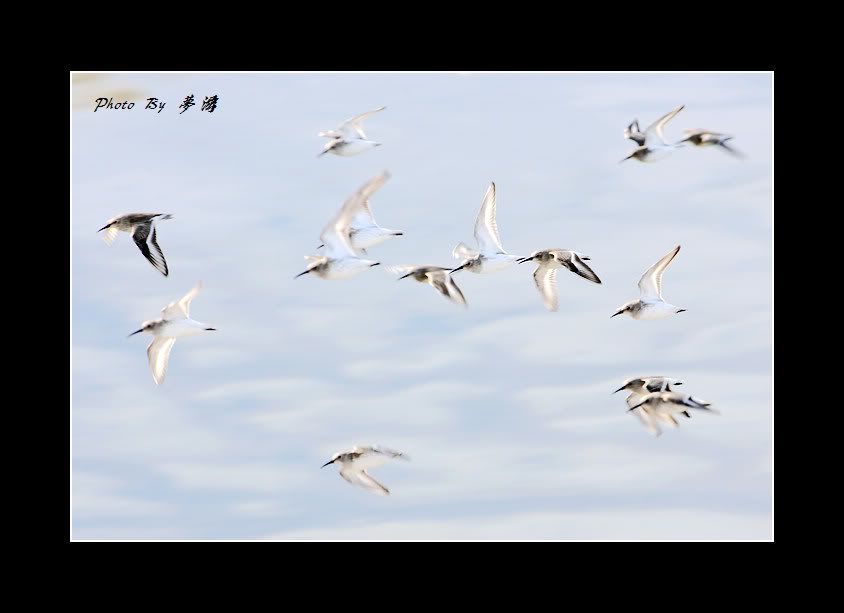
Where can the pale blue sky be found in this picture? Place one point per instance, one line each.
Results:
(505, 409)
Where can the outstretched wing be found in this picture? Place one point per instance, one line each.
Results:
(154, 255)
(352, 126)
(158, 353)
(181, 307)
(654, 134)
(363, 479)
(650, 285)
(486, 228)
(335, 235)
(546, 282)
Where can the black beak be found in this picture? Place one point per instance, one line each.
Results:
(456, 269)
(327, 463)
(321, 246)
(104, 227)
(135, 332)
(404, 276)
(619, 313)
(375, 264)
(398, 233)
(618, 390)
(215, 329)
(681, 310)
(523, 260)
(633, 408)
(301, 273)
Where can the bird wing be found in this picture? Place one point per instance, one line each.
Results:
(486, 229)
(110, 234)
(158, 353)
(181, 307)
(353, 124)
(335, 236)
(443, 282)
(650, 285)
(363, 217)
(582, 269)
(363, 479)
(462, 251)
(654, 131)
(154, 255)
(546, 282)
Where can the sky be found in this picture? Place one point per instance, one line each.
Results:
(505, 409)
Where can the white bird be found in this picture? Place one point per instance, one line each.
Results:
(545, 275)
(664, 404)
(364, 231)
(654, 147)
(175, 322)
(355, 462)
(651, 305)
(436, 276)
(633, 133)
(705, 138)
(349, 138)
(490, 255)
(142, 228)
(340, 260)
(640, 387)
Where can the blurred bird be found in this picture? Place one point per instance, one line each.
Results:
(349, 138)
(355, 462)
(340, 260)
(436, 276)
(705, 138)
(654, 146)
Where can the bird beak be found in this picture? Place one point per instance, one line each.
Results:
(625, 159)
(404, 276)
(636, 407)
(398, 233)
(103, 228)
(321, 246)
(619, 389)
(681, 310)
(619, 313)
(135, 332)
(375, 264)
(523, 260)
(214, 329)
(327, 463)
(678, 383)
(301, 273)
(458, 268)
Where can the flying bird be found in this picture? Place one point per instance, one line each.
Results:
(654, 146)
(705, 138)
(651, 305)
(490, 255)
(355, 462)
(141, 226)
(175, 322)
(545, 275)
(349, 138)
(364, 231)
(640, 387)
(665, 404)
(436, 276)
(340, 260)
